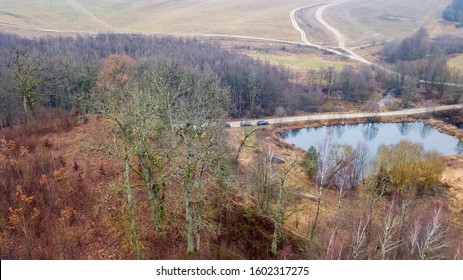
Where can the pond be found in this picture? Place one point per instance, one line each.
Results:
(375, 135)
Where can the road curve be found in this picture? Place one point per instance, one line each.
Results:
(318, 16)
(338, 116)
(296, 26)
(339, 37)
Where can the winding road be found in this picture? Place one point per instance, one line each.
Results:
(346, 52)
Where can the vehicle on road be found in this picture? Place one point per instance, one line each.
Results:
(226, 124)
(261, 123)
(245, 123)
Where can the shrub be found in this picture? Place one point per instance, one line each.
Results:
(311, 162)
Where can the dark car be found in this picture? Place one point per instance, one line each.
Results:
(261, 123)
(276, 159)
(226, 124)
(245, 123)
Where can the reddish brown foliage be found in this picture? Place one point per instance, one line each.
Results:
(59, 202)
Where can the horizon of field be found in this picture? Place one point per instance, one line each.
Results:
(360, 21)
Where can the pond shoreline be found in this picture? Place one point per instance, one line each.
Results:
(440, 126)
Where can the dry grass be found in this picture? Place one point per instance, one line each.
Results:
(302, 62)
(361, 21)
(61, 201)
(253, 18)
(366, 21)
(456, 62)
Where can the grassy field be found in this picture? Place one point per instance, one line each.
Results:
(265, 18)
(301, 62)
(361, 21)
(456, 62)
(48, 14)
(366, 21)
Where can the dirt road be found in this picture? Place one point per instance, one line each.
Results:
(338, 36)
(337, 116)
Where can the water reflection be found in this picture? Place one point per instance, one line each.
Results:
(376, 134)
(404, 128)
(460, 147)
(339, 130)
(285, 134)
(426, 130)
(294, 132)
(370, 131)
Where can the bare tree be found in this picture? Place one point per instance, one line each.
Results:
(131, 205)
(246, 141)
(198, 111)
(359, 240)
(322, 176)
(429, 243)
(282, 210)
(135, 111)
(388, 234)
(27, 69)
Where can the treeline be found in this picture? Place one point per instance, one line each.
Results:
(348, 83)
(420, 46)
(60, 71)
(454, 12)
(420, 58)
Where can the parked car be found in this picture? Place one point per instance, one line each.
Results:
(245, 123)
(276, 159)
(261, 123)
(226, 124)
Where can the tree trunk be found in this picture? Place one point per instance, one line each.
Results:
(131, 207)
(189, 219)
(277, 221)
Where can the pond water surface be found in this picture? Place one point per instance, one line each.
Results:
(374, 135)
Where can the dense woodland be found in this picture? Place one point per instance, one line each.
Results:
(120, 152)
(62, 72)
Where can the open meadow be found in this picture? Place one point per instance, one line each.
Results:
(369, 21)
(361, 21)
(266, 18)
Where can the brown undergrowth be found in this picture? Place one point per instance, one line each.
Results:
(62, 200)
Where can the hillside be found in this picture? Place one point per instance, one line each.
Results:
(154, 130)
(60, 200)
(362, 21)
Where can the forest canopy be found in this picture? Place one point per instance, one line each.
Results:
(62, 71)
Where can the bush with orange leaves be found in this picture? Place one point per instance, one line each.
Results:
(116, 72)
(39, 192)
